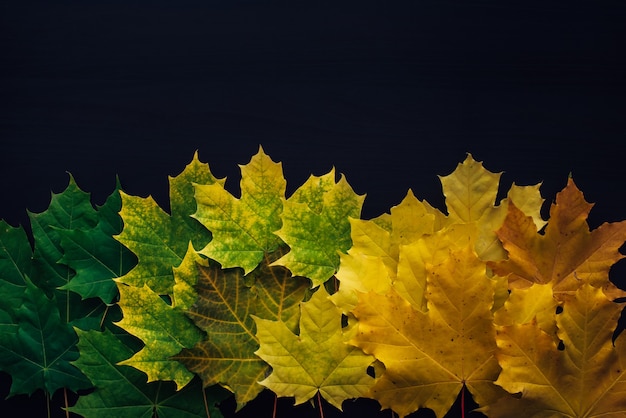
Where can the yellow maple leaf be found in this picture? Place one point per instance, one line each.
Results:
(471, 191)
(529, 200)
(587, 378)
(535, 303)
(566, 253)
(392, 250)
(371, 264)
(429, 356)
(469, 204)
(316, 360)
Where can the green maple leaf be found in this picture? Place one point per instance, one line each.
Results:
(163, 327)
(37, 341)
(227, 299)
(122, 391)
(68, 210)
(160, 240)
(95, 255)
(316, 360)
(316, 226)
(243, 229)
(15, 265)
(38, 347)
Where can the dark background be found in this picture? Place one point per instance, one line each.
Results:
(391, 94)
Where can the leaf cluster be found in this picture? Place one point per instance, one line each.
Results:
(146, 312)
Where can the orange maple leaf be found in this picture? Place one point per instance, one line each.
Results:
(566, 252)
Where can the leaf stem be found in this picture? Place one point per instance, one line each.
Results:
(67, 302)
(319, 402)
(67, 403)
(463, 401)
(104, 314)
(275, 406)
(206, 403)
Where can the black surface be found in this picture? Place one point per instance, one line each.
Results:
(392, 94)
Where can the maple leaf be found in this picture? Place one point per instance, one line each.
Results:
(470, 193)
(186, 277)
(95, 256)
(227, 299)
(392, 250)
(372, 263)
(160, 240)
(37, 341)
(585, 379)
(469, 204)
(15, 265)
(243, 229)
(566, 253)
(150, 293)
(36, 349)
(429, 356)
(68, 210)
(69, 214)
(164, 328)
(529, 200)
(535, 303)
(317, 359)
(316, 226)
(122, 391)
(165, 334)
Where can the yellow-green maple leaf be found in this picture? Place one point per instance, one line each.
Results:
(316, 226)
(163, 327)
(429, 356)
(243, 229)
(587, 378)
(160, 240)
(566, 253)
(317, 359)
(227, 300)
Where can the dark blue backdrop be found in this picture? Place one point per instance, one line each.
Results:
(392, 94)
